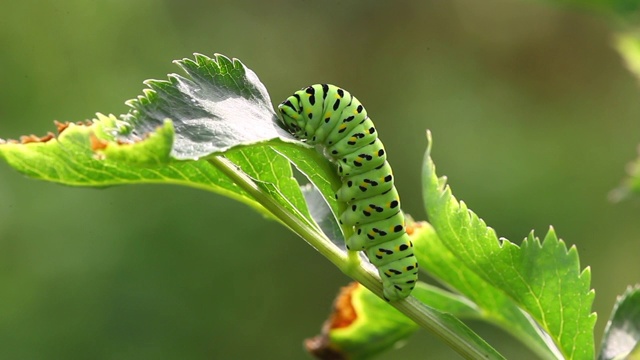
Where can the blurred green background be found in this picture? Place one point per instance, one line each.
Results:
(533, 117)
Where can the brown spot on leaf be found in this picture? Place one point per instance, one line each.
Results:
(61, 126)
(97, 144)
(26, 139)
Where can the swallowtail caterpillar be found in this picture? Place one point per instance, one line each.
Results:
(331, 117)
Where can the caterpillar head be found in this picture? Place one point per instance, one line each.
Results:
(292, 118)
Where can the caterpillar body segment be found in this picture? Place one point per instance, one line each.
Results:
(365, 185)
(370, 210)
(332, 118)
(373, 234)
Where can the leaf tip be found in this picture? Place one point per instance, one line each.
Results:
(551, 231)
(197, 55)
(222, 59)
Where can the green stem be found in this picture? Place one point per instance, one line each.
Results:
(442, 325)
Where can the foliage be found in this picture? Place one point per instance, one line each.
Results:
(216, 130)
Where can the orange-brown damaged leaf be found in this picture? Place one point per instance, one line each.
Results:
(76, 156)
(26, 139)
(61, 126)
(149, 149)
(32, 138)
(360, 326)
(96, 143)
(344, 314)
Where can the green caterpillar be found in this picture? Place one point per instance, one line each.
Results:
(331, 117)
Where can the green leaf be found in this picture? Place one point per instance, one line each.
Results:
(273, 174)
(622, 334)
(221, 105)
(492, 304)
(446, 302)
(543, 278)
(69, 159)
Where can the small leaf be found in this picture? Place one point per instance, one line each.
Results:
(543, 278)
(622, 334)
(273, 173)
(362, 325)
